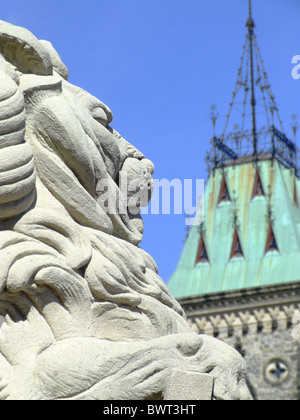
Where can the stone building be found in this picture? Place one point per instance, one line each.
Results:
(238, 278)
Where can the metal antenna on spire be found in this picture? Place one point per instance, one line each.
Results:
(251, 25)
(250, 9)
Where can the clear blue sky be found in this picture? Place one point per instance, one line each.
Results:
(159, 65)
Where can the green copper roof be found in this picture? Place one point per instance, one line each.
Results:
(250, 214)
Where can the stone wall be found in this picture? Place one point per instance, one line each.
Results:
(262, 325)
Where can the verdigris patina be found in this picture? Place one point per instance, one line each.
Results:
(84, 314)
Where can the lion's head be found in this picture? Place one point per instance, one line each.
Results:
(70, 136)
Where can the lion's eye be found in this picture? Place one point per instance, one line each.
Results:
(100, 115)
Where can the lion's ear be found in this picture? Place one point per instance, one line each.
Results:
(23, 50)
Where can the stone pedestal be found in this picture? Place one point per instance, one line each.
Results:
(189, 386)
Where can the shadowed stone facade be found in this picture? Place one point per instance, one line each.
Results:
(262, 325)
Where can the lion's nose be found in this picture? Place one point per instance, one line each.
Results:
(148, 165)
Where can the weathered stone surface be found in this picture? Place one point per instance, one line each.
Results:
(189, 386)
(84, 313)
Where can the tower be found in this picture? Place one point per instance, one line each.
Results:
(239, 274)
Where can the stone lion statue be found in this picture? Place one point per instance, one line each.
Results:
(84, 314)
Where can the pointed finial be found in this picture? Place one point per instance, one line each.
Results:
(294, 125)
(250, 22)
(213, 115)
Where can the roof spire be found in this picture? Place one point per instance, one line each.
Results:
(258, 133)
(250, 21)
(251, 25)
(250, 9)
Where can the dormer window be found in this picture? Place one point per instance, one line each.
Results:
(224, 192)
(202, 256)
(271, 242)
(258, 190)
(236, 250)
